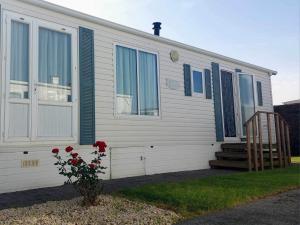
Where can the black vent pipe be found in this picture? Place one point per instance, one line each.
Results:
(156, 28)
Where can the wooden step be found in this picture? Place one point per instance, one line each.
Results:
(241, 155)
(228, 164)
(237, 164)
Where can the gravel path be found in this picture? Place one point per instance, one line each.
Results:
(109, 211)
(283, 209)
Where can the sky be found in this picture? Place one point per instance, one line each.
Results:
(262, 32)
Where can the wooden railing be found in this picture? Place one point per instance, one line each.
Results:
(255, 145)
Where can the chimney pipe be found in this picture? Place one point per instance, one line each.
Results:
(156, 28)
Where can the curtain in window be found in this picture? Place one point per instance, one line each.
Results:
(148, 84)
(197, 81)
(228, 104)
(19, 63)
(126, 75)
(54, 57)
(19, 60)
(246, 98)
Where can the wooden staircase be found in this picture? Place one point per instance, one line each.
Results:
(254, 154)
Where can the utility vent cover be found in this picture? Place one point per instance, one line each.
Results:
(29, 163)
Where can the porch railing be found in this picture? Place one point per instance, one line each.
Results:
(280, 139)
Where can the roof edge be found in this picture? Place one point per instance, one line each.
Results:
(103, 22)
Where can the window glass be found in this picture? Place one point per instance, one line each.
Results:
(54, 66)
(197, 82)
(19, 61)
(148, 84)
(126, 75)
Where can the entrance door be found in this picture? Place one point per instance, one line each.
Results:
(246, 99)
(228, 104)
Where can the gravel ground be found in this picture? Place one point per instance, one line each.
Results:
(110, 210)
(282, 209)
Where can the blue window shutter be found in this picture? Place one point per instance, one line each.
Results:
(187, 80)
(217, 101)
(87, 86)
(207, 84)
(259, 93)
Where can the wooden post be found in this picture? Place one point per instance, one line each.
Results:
(254, 143)
(261, 154)
(288, 143)
(270, 140)
(249, 147)
(283, 142)
(278, 138)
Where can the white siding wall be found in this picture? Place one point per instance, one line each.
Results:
(183, 137)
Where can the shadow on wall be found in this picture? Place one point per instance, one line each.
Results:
(291, 113)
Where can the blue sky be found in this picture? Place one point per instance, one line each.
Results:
(262, 32)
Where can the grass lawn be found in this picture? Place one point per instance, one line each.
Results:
(196, 197)
(296, 159)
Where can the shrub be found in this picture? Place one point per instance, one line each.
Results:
(82, 175)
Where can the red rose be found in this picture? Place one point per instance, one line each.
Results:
(55, 150)
(101, 146)
(92, 166)
(74, 162)
(69, 149)
(74, 155)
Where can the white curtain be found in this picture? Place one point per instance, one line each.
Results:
(54, 57)
(148, 84)
(19, 62)
(126, 75)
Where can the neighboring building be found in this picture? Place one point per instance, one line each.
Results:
(290, 111)
(70, 79)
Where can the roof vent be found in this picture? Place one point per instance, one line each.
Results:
(156, 28)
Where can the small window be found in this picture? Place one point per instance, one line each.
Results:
(137, 82)
(259, 93)
(197, 81)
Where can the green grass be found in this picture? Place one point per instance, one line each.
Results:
(196, 197)
(296, 159)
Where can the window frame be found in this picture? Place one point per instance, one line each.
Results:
(138, 116)
(33, 101)
(197, 69)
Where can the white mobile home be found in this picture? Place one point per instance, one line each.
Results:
(68, 78)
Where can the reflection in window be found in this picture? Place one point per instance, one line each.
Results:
(54, 66)
(19, 60)
(197, 82)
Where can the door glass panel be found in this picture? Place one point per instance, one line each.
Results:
(228, 104)
(246, 98)
(54, 66)
(19, 60)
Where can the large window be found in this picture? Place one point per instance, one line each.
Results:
(41, 100)
(137, 82)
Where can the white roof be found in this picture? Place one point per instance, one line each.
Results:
(93, 19)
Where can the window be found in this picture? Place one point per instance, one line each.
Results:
(41, 102)
(259, 93)
(19, 60)
(136, 82)
(197, 82)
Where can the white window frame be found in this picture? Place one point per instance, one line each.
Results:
(192, 82)
(138, 116)
(32, 100)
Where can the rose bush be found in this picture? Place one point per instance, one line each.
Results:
(82, 175)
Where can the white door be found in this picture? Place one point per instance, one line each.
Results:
(128, 162)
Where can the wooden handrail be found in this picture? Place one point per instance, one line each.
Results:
(256, 160)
